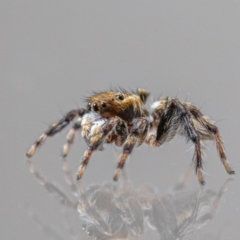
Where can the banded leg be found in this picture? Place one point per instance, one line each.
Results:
(137, 133)
(193, 135)
(55, 128)
(71, 136)
(222, 154)
(199, 167)
(209, 131)
(100, 132)
(175, 118)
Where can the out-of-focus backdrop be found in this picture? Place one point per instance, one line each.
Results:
(55, 53)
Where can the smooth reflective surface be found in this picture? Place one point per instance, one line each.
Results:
(54, 53)
(110, 211)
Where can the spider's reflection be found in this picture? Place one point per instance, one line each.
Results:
(108, 211)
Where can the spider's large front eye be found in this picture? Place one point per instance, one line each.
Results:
(121, 97)
(95, 107)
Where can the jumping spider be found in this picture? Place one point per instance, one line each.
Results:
(121, 117)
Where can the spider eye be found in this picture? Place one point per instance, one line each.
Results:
(104, 105)
(95, 107)
(89, 107)
(121, 97)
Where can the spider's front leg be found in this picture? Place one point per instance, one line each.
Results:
(95, 137)
(136, 137)
(55, 128)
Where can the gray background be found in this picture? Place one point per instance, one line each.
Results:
(54, 53)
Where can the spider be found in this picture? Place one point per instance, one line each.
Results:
(121, 117)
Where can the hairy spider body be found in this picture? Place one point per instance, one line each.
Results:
(125, 105)
(121, 118)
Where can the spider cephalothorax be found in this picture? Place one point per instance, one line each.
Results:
(121, 117)
(122, 104)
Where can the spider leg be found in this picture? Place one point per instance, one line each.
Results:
(137, 133)
(71, 136)
(175, 118)
(198, 153)
(209, 131)
(55, 128)
(165, 125)
(192, 134)
(95, 140)
(222, 154)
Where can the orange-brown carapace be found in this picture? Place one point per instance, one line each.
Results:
(122, 104)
